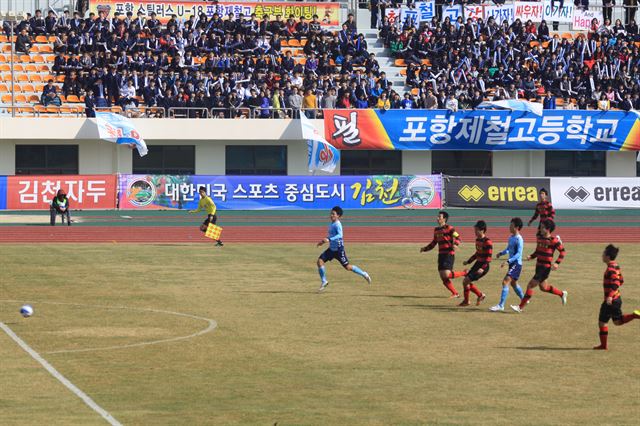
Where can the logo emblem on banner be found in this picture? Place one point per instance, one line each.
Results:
(420, 193)
(471, 193)
(141, 192)
(577, 194)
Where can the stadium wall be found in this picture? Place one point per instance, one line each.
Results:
(210, 137)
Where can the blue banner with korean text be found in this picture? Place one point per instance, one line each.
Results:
(281, 192)
(484, 130)
(3, 192)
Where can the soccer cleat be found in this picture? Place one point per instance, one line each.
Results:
(516, 308)
(368, 278)
(480, 299)
(219, 244)
(323, 286)
(636, 313)
(464, 303)
(600, 348)
(454, 296)
(564, 298)
(496, 308)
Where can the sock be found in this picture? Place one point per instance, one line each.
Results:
(553, 290)
(604, 333)
(449, 285)
(526, 297)
(458, 274)
(518, 291)
(504, 294)
(357, 270)
(628, 317)
(467, 290)
(475, 290)
(323, 274)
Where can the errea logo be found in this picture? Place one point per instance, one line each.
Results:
(577, 194)
(468, 193)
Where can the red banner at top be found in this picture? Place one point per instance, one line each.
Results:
(83, 191)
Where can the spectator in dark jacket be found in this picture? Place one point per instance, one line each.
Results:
(23, 42)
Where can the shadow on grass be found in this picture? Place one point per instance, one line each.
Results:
(543, 348)
(398, 297)
(449, 308)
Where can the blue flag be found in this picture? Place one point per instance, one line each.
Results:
(119, 129)
(322, 155)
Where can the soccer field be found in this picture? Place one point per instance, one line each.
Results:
(397, 352)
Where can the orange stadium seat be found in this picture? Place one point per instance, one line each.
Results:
(6, 99)
(21, 99)
(294, 43)
(22, 77)
(28, 88)
(34, 99)
(4, 87)
(38, 58)
(568, 36)
(4, 39)
(5, 67)
(18, 68)
(25, 58)
(4, 58)
(6, 48)
(31, 68)
(42, 39)
(46, 48)
(73, 99)
(399, 63)
(44, 68)
(35, 78)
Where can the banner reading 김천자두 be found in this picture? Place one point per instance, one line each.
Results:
(281, 192)
(484, 130)
(328, 13)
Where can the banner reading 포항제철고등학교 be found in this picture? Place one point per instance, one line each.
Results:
(484, 130)
(281, 192)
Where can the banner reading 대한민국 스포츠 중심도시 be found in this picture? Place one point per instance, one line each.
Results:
(281, 192)
(484, 130)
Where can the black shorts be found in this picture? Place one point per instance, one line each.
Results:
(473, 273)
(339, 254)
(613, 311)
(212, 218)
(445, 262)
(542, 273)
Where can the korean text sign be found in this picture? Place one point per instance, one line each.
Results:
(328, 13)
(281, 192)
(484, 130)
(83, 191)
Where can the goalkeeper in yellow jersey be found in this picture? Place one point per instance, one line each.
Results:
(207, 204)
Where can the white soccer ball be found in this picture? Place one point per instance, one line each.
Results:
(26, 311)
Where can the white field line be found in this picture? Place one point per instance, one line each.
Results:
(73, 388)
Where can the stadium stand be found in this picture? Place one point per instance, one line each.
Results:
(274, 67)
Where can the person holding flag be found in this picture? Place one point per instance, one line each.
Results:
(207, 204)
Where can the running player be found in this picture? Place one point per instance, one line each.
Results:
(514, 262)
(547, 245)
(446, 237)
(544, 209)
(611, 308)
(482, 257)
(336, 250)
(207, 204)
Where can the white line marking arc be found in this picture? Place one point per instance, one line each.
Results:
(73, 388)
(211, 325)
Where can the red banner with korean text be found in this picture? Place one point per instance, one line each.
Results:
(84, 191)
(328, 13)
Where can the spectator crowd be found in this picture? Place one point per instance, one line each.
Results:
(241, 63)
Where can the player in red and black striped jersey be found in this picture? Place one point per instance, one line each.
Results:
(446, 238)
(547, 245)
(611, 308)
(544, 209)
(482, 258)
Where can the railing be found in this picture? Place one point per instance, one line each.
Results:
(188, 112)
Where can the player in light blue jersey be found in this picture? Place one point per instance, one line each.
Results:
(514, 249)
(336, 250)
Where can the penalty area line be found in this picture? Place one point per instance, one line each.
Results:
(55, 373)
